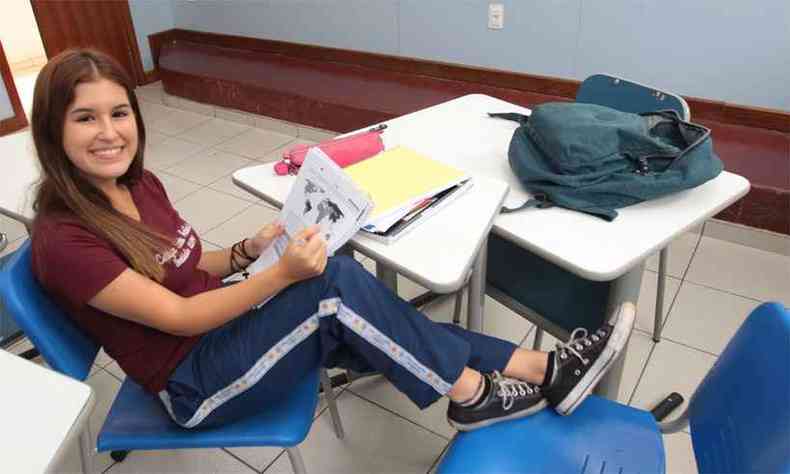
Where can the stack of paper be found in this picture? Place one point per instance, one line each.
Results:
(400, 182)
(322, 194)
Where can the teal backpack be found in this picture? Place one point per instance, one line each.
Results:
(596, 159)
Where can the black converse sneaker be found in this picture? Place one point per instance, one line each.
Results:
(581, 362)
(504, 399)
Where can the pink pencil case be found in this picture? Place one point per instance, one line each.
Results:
(344, 151)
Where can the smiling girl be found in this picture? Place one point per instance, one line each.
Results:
(114, 253)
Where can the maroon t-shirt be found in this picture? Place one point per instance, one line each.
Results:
(74, 264)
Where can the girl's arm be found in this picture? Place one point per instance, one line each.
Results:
(133, 297)
(217, 262)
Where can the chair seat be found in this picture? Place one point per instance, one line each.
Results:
(138, 421)
(600, 437)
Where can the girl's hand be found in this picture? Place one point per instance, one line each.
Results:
(265, 237)
(305, 257)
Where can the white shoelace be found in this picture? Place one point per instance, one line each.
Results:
(577, 342)
(510, 389)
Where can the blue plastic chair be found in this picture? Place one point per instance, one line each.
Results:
(739, 421)
(137, 420)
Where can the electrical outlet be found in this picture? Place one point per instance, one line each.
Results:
(496, 16)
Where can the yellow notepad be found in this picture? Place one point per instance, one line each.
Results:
(399, 176)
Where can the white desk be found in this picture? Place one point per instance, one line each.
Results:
(437, 254)
(587, 246)
(41, 412)
(460, 133)
(19, 176)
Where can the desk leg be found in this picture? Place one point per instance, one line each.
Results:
(387, 276)
(625, 288)
(477, 290)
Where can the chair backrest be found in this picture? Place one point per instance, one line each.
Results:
(629, 96)
(62, 344)
(740, 414)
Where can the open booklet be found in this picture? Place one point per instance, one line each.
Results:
(322, 194)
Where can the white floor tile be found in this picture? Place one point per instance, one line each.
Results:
(243, 225)
(679, 454)
(671, 368)
(177, 122)
(498, 321)
(748, 236)
(705, 318)
(152, 137)
(646, 307)
(315, 134)
(742, 270)
(19, 346)
(408, 289)
(149, 94)
(197, 107)
(636, 356)
(226, 185)
(180, 461)
(153, 112)
(262, 456)
(11, 228)
(376, 441)
(277, 154)
(255, 143)
(115, 370)
(206, 208)
(237, 116)
(379, 390)
(275, 125)
(169, 152)
(501, 322)
(13, 245)
(680, 252)
(176, 187)
(209, 246)
(213, 132)
(548, 343)
(208, 166)
(102, 359)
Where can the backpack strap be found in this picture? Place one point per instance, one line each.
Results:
(515, 117)
(539, 200)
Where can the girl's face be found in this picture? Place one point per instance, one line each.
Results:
(100, 131)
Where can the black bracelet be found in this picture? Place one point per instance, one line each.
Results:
(237, 252)
(244, 250)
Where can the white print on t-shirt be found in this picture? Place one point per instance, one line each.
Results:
(184, 229)
(183, 247)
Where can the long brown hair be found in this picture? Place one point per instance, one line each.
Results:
(62, 188)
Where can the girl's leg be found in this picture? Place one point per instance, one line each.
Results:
(345, 317)
(489, 354)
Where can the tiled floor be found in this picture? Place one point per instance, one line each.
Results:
(713, 285)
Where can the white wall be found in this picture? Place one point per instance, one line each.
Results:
(19, 32)
(738, 52)
(6, 110)
(148, 17)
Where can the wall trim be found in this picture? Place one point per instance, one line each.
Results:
(704, 109)
(151, 76)
(19, 120)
